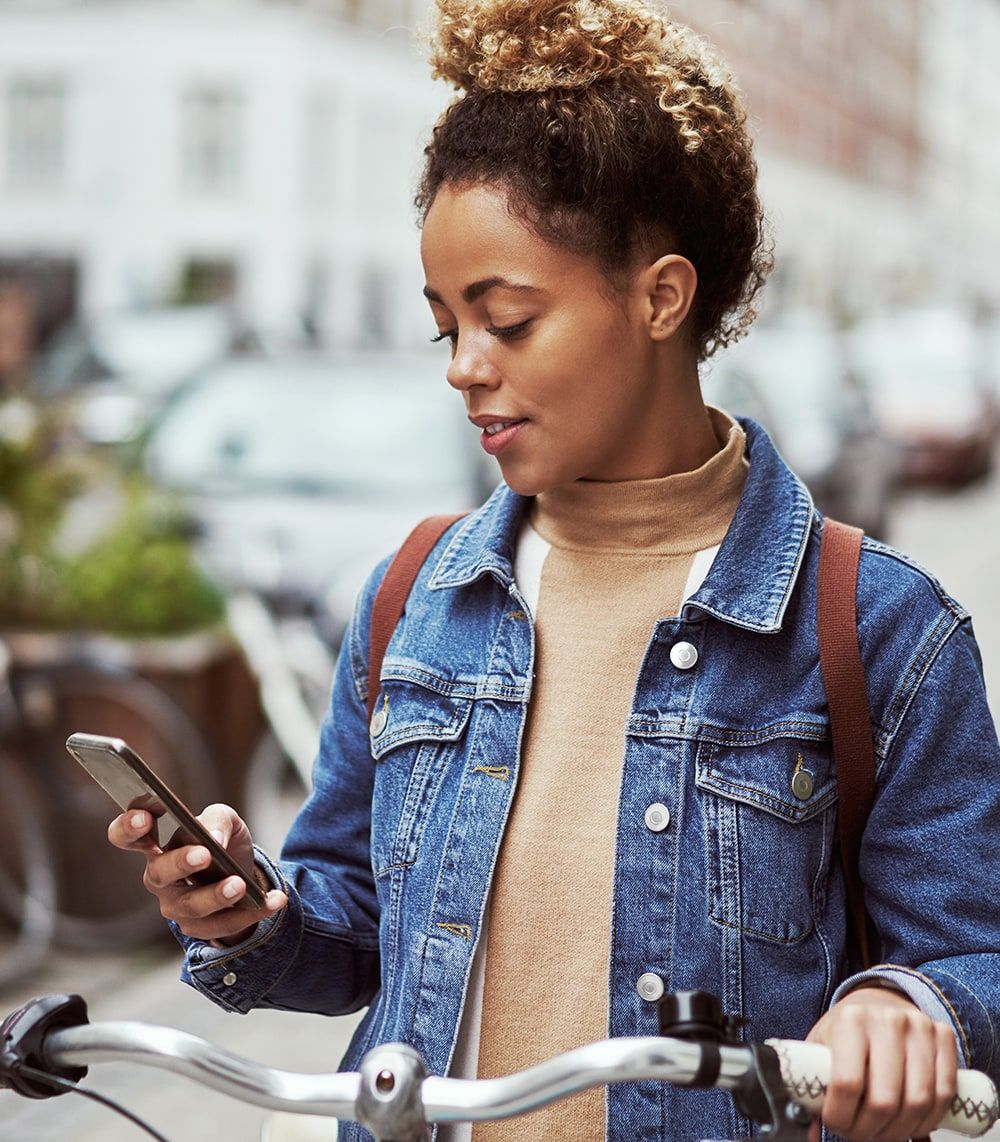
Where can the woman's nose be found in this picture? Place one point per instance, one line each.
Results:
(470, 366)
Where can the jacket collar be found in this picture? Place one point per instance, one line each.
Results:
(751, 578)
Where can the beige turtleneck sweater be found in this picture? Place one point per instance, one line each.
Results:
(608, 560)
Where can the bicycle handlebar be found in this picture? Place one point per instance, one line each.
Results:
(780, 1083)
(394, 1097)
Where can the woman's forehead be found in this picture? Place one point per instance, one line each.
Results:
(471, 236)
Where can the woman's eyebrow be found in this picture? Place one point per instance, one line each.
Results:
(475, 291)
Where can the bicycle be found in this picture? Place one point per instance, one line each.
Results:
(47, 1045)
(51, 687)
(279, 634)
(27, 866)
(289, 641)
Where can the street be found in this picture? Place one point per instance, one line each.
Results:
(956, 537)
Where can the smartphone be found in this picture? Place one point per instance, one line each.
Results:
(115, 766)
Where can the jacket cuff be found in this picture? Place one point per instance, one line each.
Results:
(918, 988)
(237, 977)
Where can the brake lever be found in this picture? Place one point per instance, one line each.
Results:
(22, 1044)
(697, 1016)
(762, 1096)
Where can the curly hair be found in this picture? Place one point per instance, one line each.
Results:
(614, 132)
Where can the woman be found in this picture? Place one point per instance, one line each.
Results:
(577, 789)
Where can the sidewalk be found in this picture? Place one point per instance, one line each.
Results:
(172, 1104)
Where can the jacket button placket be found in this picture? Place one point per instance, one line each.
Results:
(483, 799)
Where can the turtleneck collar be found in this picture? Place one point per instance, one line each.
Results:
(685, 512)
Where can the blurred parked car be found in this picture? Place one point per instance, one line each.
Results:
(791, 374)
(923, 367)
(117, 369)
(307, 470)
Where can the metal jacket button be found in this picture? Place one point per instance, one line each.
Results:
(649, 986)
(683, 655)
(802, 785)
(657, 817)
(380, 718)
(229, 978)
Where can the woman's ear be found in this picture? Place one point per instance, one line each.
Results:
(669, 286)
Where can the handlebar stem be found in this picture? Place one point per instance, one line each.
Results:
(390, 1101)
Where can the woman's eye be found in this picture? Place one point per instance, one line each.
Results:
(508, 332)
(446, 335)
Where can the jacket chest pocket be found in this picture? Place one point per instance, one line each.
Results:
(415, 734)
(769, 815)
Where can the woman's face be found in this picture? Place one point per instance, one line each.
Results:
(542, 348)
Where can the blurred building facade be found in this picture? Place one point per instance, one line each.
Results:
(169, 150)
(960, 123)
(876, 129)
(266, 150)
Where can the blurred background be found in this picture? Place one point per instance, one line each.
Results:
(219, 406)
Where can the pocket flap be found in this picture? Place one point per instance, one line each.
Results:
(407, 712)
(792, 779)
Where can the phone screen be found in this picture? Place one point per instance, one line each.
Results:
(116, 767)
(130, 793)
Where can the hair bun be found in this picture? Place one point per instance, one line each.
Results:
(537, 45)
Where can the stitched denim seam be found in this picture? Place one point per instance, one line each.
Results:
(768, 936)
(242, 950)
(359, 664)
(419, 731)
(958, 1023)
(482, 687)
(817, 899)
(757, 797)
(874, 547)
(703, 731)
(917, 668)
(905, 700)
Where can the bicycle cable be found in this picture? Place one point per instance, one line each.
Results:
(55, 1080)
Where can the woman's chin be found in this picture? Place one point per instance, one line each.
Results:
(526, 483)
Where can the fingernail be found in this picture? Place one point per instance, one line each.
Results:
(138, 820)
(231, 889)
(275, 900)
(217, 835)
(197, 856)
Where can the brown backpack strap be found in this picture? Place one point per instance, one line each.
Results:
(390, 599)
(850, 714)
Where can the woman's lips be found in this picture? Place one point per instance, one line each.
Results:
(498, 441)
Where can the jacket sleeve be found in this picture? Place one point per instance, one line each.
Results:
(931, 850)
(321, 952)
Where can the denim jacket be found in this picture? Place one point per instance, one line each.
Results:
(388, 866)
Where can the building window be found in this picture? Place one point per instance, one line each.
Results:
(204, 281)
(318, 148)
(375, 304)
(212, 155)
(379, 13)
(36, 134)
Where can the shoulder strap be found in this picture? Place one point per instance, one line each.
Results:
(850, 714)
(390, 599)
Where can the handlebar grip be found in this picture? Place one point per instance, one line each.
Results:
(805, 1067)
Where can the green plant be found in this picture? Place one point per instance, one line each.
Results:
(135, 576)
(139, 578)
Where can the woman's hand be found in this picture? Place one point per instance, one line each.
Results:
(893, 1070)
(204, 912)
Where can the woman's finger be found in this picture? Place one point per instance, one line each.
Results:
(848, 1045)
(171, 868)
(900, 1077)
(944, 1082)
(883, 1097)
(131, 831)
(203, 919)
